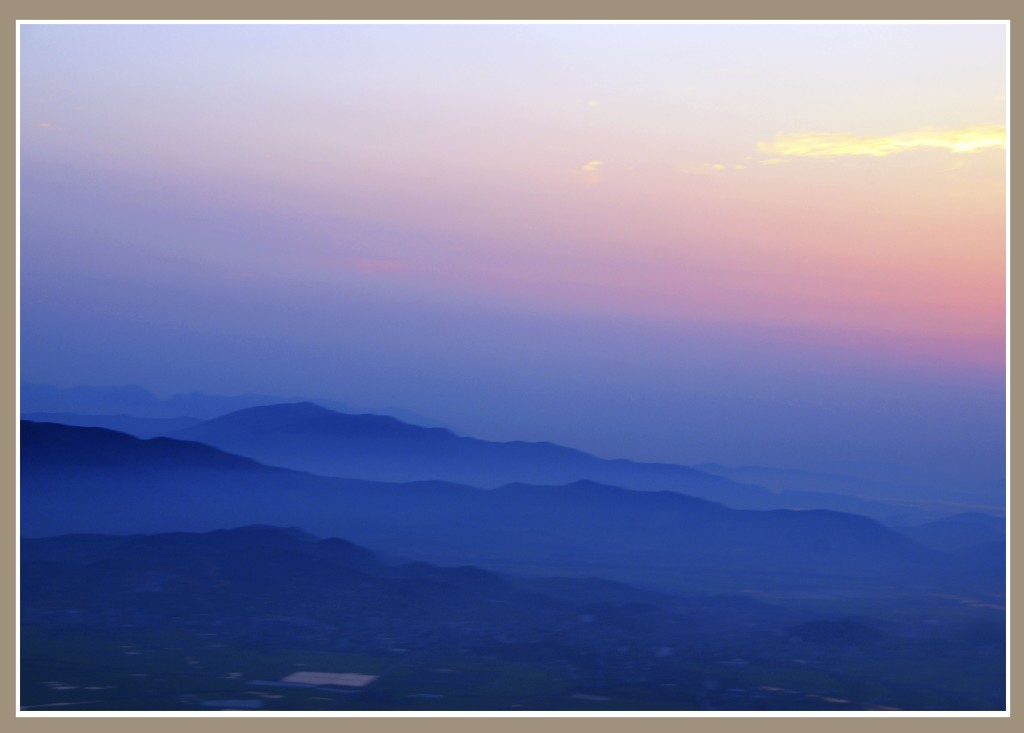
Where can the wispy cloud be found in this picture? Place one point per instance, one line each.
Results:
(832, 145)
(592, 166)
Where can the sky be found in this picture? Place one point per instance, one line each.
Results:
(778, 245)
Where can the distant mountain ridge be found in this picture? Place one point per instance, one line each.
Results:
(854, 492)
(134, 401)
(95, 480)
(140, 427)
(63, 449)
(328, 438)
(959, 532)
(309, 437)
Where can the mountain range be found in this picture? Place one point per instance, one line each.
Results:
(94, 480)
(136, 402)
(330, 438)
(309, 437)
(171, 571)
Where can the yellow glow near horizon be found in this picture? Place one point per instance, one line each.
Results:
(831, 145)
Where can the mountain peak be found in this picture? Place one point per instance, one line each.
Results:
(310, 421)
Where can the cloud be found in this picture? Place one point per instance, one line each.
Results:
(833, 145)
(592, 166)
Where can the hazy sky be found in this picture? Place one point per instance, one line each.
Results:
(738, 243)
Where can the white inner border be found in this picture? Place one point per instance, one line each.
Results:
(501, 714)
